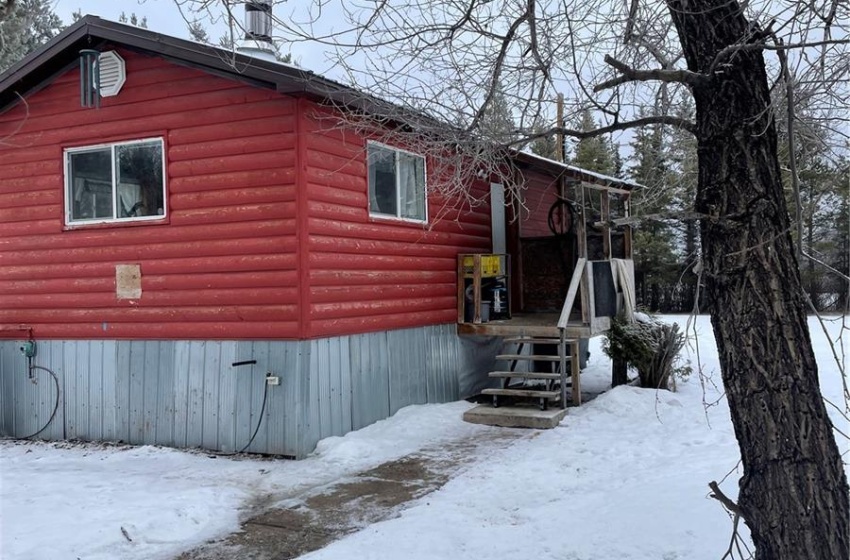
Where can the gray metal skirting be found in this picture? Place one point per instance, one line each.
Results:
(188, 393)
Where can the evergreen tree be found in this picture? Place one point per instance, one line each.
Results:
(198, 33)
(616, 158)
(31, 24)
(682, 157)
(497, 122)
(656, 262)
(595, 153)
(841, 248)
(544, 145)
(822, 192)
(134, 20)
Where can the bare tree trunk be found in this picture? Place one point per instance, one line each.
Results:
(691, 232)
(813, 277)
(793, 494)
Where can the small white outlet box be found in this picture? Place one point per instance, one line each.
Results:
(272, 380)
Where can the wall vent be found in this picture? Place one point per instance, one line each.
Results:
(112, 73)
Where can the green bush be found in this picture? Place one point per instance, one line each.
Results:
(651, 347)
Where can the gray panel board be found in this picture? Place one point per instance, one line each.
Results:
(408, 383)
(188, 393)
(370, 387)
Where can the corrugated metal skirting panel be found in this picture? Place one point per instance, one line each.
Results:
(189, 393)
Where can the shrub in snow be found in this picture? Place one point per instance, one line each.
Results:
(649, 346)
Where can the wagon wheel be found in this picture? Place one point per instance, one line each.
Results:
(561, 217)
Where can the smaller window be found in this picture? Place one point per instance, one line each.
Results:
(115, 182)
(396, 183)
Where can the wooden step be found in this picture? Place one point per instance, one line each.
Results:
(525, 375)
(531, 340)
(534, 357)
(551, 395)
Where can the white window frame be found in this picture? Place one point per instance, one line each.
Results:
(114, 220)
(397, 215)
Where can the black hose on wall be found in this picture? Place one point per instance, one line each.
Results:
(33, 368)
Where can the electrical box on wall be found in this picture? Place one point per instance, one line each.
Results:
(28, 349)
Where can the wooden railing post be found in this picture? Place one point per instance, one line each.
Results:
(562, 352)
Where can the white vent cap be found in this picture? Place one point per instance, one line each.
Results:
(112, 73)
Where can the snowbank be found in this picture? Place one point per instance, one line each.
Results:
(625, 476)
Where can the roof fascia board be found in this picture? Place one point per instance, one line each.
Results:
(188, 53)
(38, 57)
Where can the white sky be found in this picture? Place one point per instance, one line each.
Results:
(163, 16)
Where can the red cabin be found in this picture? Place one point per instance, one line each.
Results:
(199, 253)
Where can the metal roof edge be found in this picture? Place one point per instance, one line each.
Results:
(283, 78)
(560, 167)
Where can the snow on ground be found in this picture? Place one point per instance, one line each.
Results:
(625, 476)
(68, 501)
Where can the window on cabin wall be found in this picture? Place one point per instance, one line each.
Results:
(123, 181)
(396, 183)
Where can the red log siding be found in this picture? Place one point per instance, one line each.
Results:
(539, 194)
(367, 274)
(224, 265)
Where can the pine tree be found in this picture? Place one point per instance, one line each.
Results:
(841, 254)
(683, 164)
(497, 122)
(821, 195)
(545, 145)
(595, 153)
(656, 262)
(199, 33)
(134, 20)
(31, 24)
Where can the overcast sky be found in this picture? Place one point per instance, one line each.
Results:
(162, 15)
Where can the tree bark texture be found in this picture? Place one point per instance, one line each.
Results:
(793, 492)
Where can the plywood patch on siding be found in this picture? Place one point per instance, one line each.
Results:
(128, 281)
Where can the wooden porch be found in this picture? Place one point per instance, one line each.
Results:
(564, 272)
(537, 325)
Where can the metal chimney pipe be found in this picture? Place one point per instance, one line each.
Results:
(258, 31)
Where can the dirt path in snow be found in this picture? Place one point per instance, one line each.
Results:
(320, 516)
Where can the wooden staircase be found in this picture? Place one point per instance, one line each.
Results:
(542, 387)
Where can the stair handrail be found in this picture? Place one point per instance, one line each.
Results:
(569, 301)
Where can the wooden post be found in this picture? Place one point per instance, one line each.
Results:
(627, 229)
(562, 150)
(605, 206)
(461, 296)
(576, 373)
(588, 299)
(581, 229)
(476, 288)
(562, 353)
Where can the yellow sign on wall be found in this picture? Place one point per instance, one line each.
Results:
(491, 265)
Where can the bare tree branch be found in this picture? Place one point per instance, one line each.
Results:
(630, 74)
(761, 46)
(626, 125)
